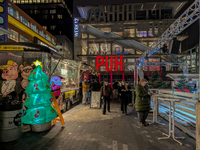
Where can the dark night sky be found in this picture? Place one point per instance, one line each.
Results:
(107, 2)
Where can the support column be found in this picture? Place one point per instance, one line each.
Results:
(122, 76)
(111, 80)
(198, 125)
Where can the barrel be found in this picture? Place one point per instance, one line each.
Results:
(10, 122)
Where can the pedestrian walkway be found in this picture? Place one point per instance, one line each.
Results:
(88, 129)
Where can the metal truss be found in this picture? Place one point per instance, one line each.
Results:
(170, 64)
(185, 20)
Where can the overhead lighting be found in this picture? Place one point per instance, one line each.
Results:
(154, 6)
(142, 6)
(179, 6)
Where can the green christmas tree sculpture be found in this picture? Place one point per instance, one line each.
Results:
(183, 83)
(160, 83)
(38, 103)
(151, 81)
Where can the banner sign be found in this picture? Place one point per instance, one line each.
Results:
(99, 63)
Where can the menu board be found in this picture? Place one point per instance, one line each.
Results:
(95, 100)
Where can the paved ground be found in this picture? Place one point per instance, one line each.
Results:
(88, 129)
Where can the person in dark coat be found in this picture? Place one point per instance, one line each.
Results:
(106, 93)
(142, 104)
(129, 93)
(123, 93)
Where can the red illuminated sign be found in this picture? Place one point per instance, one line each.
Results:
(100, 63)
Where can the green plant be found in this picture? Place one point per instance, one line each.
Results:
(160, 83)
(183, 83)
(151, 81)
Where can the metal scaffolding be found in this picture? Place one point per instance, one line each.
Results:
(170, 64)
(185, 20)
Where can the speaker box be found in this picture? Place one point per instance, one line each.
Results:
(174, 47)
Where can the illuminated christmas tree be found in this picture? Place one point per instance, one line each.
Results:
(38, 103)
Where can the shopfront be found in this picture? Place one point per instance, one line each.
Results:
(17, 61)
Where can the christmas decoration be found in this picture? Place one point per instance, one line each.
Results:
(160, 83)
(37, 63)
(38, 103)
(151, 81)
(183, 83)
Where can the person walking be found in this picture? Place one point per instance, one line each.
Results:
(85, 87)
(106, 93)
(123, 93)
(142, 104)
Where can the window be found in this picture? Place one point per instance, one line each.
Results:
(52, 27)
(141, 33)
(155, 29)
(44, 16)
(140, 14)
(23, 38)
(60, 32)
(105, 48)
(130, 16)
(13, 35)
(13, 13)
(93, 48)
(119, 33)
(37, 11)
(42, 33)
(105, 29)
(45, 27)
(91, 36)
(129, 51)
(144, 43)
(166, 14)
(53, 11)
(84, 35)
(24, 20)
(45, 11)
(26, 1)
(138, 52)
(129, 32)
(130, 8)
(53, 41)
(150, 32)
(154, 68)
(59, 16)
(48, 37)
(131, 60)
(116, 49)
(34, 27)
(153, 14)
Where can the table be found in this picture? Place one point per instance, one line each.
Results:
(155, 107)
(171, 123)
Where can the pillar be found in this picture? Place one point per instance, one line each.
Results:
(122, 76)
(111, 80)
(198, 125)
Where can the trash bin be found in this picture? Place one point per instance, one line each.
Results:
(10, 122)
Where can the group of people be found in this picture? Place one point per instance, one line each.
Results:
(121, 91)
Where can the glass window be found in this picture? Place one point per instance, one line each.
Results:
(84, 51)
(45, 27)
(13, 13)
(60, 17)
(155, 29)
(52, 27)
(141, 33)
(131, 60)
(93, 48)
(116, 49)
(150, 43)
(84, 35)
(69, 70)
(129, 51)
(144, 43)
(53, 41)
(105, 29)
(150, 32)
(34, 27)
(105, 48)
(13, 35)
(140, 14)
(138, 52)
(52, 11)
(119, 33)
(153, 14)
(48, 37)
(91, 36)
(24, 20)
(129, 32)
(42, 33)
(23, 38)
(166, 14)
